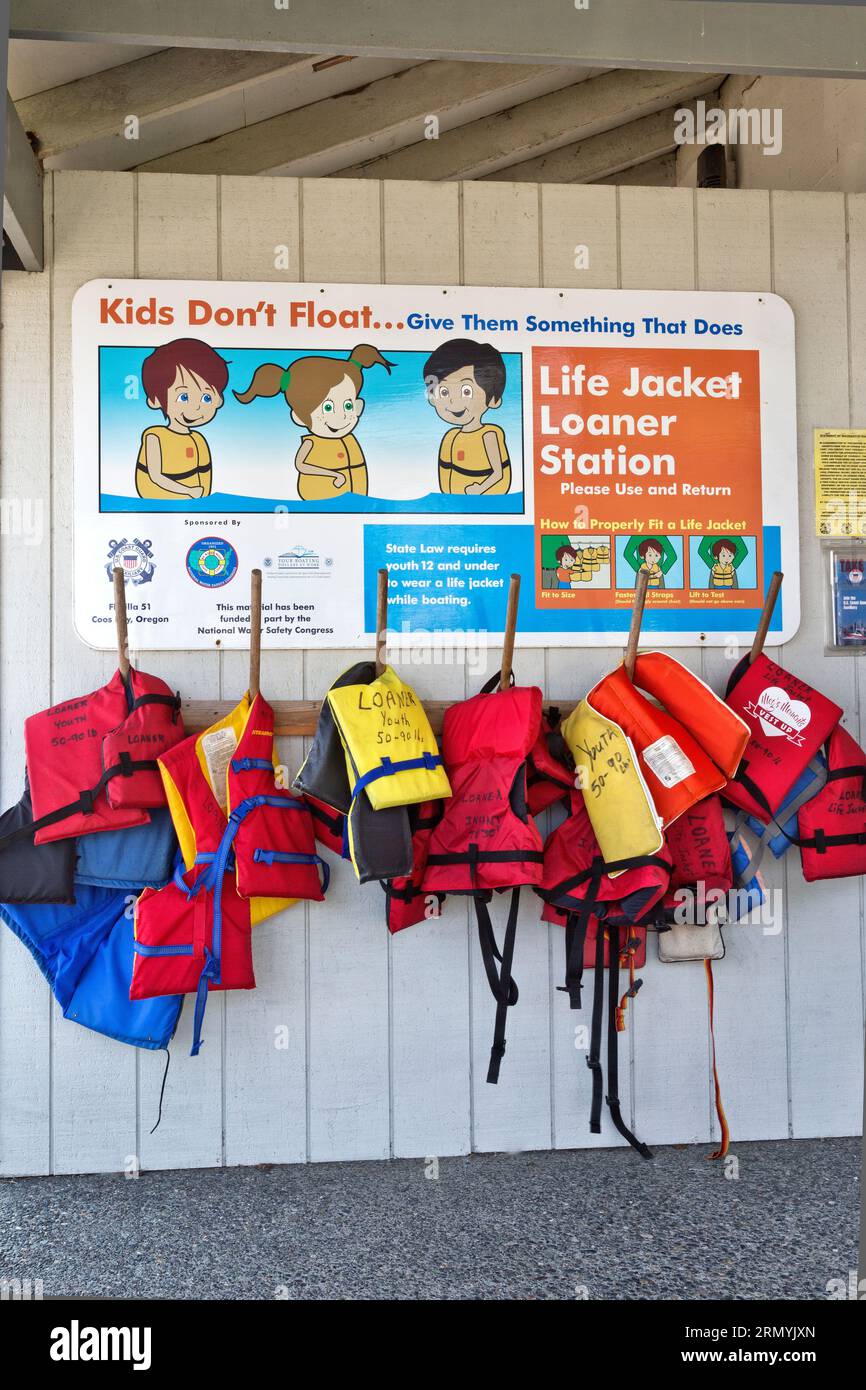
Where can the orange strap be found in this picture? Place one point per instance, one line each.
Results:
(720, 1110)
(626, 958)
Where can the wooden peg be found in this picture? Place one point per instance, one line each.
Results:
(381, 620)
(510, 630)
(120, 622)
(766, 616)
(255, 632)
(640, 589)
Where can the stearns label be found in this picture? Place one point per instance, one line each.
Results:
(667, 761)
(218, 747)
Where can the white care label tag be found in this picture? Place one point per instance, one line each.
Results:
(218, 747)
(667, 760)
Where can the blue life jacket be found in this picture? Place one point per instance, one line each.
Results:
(141, 856)
(85, 952)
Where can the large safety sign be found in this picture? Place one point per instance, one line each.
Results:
(454, 435)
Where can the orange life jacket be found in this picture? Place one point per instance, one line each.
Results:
(689, 744)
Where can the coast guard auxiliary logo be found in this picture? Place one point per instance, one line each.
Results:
(134, 557)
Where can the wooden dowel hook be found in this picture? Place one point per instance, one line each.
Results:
(255, 633)
(381, 620)
(766, 616)
(640, 589)
(120, 622)
(510, 630)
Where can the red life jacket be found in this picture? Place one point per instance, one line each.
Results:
(486, 839)
(596, 905)
(550, 770)
(700, 851)
(831, 828)
(92, 761)
(578, 882)
(788, 722)
(407, 902)
(242, 863)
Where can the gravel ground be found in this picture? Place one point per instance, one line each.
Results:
(597, 1224)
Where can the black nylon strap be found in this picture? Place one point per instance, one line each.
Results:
(612, 1097)
(593, 1061)
(493, 684)
(334, 822)
(173, 701)
(600, 867)
(474, 855)
(576, 924)
(85, 802)
(502, 986)
(821, 842)
(178, 477)
(838, 773)
(751, 787)
(575, 935)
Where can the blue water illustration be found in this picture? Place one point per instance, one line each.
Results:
(253, 446)
(227, 502)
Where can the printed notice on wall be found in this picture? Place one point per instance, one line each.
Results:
(840, 483)
(453, 435)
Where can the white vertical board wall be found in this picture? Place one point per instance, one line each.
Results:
(356, 1045)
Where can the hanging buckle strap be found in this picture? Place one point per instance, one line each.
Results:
(576, 926)
(427, 761)
(612, 1097)
(277, 856)
(210, 972)
(627, 958)
(502, 986)
(593, 1060)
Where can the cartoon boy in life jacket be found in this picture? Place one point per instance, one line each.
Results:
(323, 395)
(651, 553)
(566, 556)
(723, 575)
(186, 380)
(464, 380)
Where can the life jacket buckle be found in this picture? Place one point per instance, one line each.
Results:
(86, 803)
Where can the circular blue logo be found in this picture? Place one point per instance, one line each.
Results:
(211, 562)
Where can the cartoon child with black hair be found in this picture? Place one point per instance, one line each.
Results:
(464, 380)
(186, 380)
(650, 552)
(324, 396)
(723, 574)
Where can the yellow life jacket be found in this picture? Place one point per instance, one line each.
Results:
(391, 750)
(185, 459)
(723, 576)
(618, 800)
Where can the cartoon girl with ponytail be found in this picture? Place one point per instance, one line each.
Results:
(322, 394)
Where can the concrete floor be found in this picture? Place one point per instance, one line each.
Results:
(597, 1224)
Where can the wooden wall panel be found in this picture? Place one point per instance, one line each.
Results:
(387, 1039)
